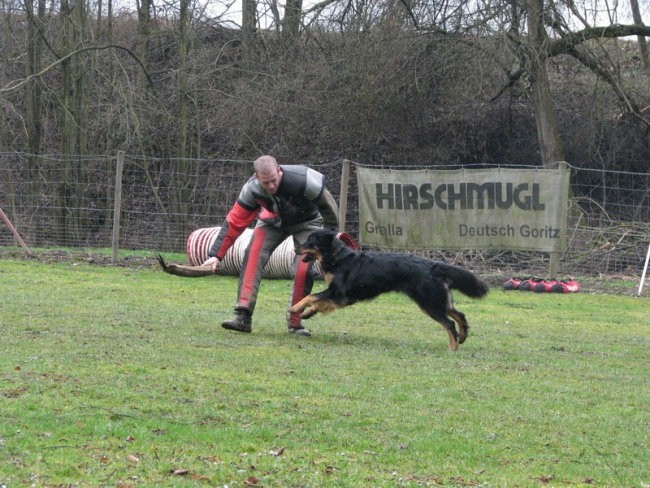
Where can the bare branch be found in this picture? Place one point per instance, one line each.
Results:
(18, 83)
(571, 40)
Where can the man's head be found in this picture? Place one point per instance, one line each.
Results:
(268, 173)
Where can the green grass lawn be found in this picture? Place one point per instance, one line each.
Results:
(113, 376)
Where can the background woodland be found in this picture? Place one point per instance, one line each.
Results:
(379, 82)
(189, 92)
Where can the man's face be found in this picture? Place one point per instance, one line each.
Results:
(270, 179)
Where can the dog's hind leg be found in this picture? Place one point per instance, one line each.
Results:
(446, 323)
(450, 327)
(460, 319)
(434, 301)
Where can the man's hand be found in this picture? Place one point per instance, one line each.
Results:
(214, 262)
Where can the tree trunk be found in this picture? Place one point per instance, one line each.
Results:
(292, 19)
(182, 79)
(109, 20)
(34, 87)
(142, 51)
(74, 130)
(34, 94)
(550, 144)
(643, 46)
(63, 192)
(181, 198)
(98, 27)
(249, 29)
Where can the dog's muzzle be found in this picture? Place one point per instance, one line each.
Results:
(308, 257)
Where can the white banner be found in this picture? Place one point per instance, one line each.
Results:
(518, 209)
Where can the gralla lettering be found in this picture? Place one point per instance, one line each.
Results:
(384, 230)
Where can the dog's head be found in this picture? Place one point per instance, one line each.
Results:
(319, 244)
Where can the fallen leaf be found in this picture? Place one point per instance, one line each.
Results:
(251, 481)
(198, 477)
(213, 460)
(180, 472)
(133, 458)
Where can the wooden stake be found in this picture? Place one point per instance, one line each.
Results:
(13, 230)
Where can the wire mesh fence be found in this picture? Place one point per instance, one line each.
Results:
(69, 202)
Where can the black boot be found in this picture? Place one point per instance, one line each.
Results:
(241, 322)
(299, 331)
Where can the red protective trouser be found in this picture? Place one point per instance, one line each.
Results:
(263, 242)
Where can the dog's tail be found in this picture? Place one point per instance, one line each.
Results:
(464, 281)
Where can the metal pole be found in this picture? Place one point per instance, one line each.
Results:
(645, 269)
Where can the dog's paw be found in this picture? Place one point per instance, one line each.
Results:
(309, 313)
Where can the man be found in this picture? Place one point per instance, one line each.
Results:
(287, 201)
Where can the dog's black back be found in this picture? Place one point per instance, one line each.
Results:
(356, 276)
(375, 273)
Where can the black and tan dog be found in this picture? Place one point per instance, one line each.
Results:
(354, 276)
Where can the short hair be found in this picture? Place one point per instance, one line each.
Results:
(264, 163)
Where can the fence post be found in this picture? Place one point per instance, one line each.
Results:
(553, 261)
(554, 258)
(117, 205)
(343, 194)
(15, 233)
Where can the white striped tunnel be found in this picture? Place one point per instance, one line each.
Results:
(280, 264)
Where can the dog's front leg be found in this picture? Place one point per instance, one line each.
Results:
(312, 304)
(305, 303)
(310, 311)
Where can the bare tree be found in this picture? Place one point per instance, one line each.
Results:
(181, 199)
(292, 20)
(547, 34)
(547, 130)
(34, 88)
(74, 130)
(643, 45)
(249, 29)
(144, 8)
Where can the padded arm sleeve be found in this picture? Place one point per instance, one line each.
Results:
(328, 209)
(237, 220)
